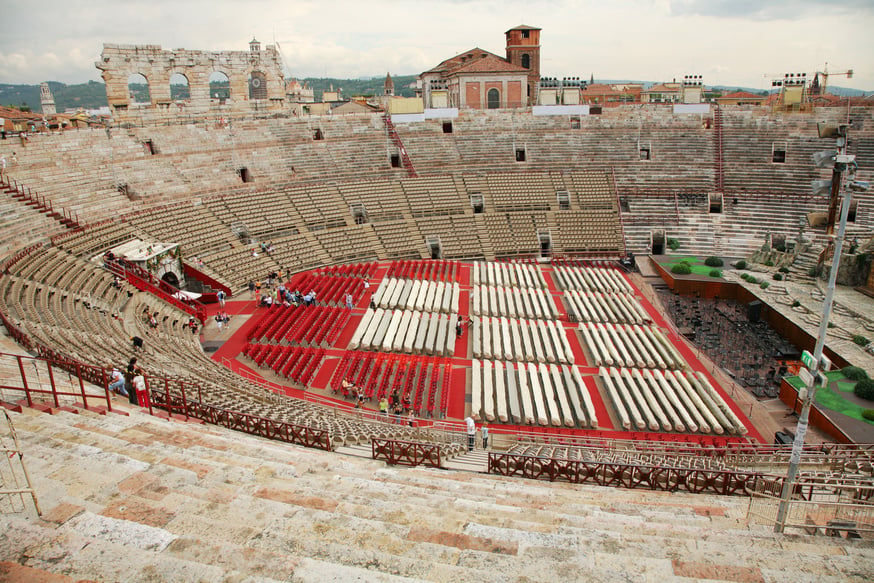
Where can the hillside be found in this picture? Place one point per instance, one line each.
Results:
(92, 95)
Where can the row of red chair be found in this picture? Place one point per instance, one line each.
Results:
(415, 377)
(268, 319)
(444, 396)
(364, 270)
(314, 326)
(438, 270)
(330, 290)
(296, 363)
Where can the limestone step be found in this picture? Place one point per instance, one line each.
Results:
(180, 501)
(473, 461)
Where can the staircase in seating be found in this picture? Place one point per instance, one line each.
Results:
(717, 137)
(396, 140)
(39, 202)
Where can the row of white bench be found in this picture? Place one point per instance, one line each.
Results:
(424, 296)
(530, 394)
(513, 302)
(605, 307)
(668, 401)
(600, 279)
(631, 346)
(512, 274)
(520, 340)
(410, 332)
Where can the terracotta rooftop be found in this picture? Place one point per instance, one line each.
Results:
(476, 60)
(523, 27)
(743, 95)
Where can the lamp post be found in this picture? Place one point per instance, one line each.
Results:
(841, 161)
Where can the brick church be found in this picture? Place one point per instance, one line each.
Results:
(479, 79)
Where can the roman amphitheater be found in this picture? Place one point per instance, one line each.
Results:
(619, 450)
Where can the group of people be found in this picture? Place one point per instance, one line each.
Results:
(471, 433)
(398, 407)
(131, 383)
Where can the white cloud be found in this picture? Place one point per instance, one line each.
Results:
(731, 42)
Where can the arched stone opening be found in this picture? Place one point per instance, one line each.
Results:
(219, 86)
(138, 89)
(180, 88)
(171, 278)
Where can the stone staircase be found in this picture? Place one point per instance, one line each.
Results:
(800, 268)
(136, 498)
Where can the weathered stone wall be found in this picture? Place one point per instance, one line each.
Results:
(119, 62)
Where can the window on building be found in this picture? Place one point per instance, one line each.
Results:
(520, 154)
(644, 153)
(526, 33)
(447, 127)
(395, 161)
(493, 98)
(257, 85)
(318, 135)
(526, 61)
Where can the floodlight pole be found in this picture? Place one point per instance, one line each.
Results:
(812, 385)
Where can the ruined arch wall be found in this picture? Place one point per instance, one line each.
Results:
(118, 62)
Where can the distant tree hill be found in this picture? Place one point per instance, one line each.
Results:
(92, 95)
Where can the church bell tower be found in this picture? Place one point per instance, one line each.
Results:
(523, 50)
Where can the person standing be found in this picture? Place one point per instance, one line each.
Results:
(485, 434)
(471, 432)
(220, 296)
(349, 303)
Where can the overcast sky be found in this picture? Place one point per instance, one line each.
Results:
(729, 42)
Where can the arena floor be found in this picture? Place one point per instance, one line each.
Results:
(453, 374)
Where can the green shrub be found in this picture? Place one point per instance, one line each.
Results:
(740, 264)
(864, 389)
(713, 261)
(796, 303)
(769, 263)
(764, 285)
(681, 269)
(854, 373)
(868, 414)
(673, 243)
(778, 277)
(783, 270)
(860, 340)
(715, 273)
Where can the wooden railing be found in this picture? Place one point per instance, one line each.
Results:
(407, 453)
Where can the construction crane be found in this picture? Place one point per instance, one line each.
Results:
(820, 79)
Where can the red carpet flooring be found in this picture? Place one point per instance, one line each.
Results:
(460, 364)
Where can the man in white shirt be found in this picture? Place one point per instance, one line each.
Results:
(471, 432)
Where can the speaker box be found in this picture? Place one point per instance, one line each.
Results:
(754, 311)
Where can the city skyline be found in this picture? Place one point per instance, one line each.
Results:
(742, 43)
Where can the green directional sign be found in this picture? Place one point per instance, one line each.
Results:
(807, 359)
